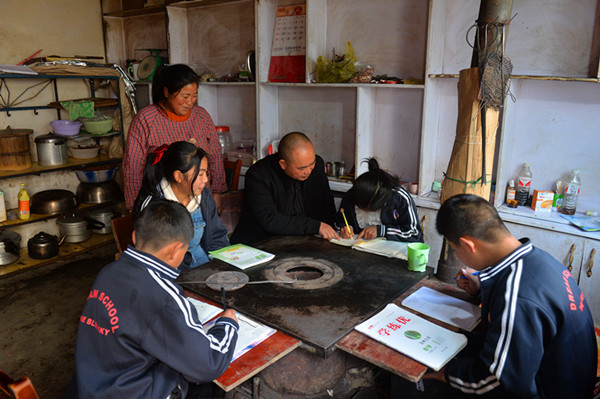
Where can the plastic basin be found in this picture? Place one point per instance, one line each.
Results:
(98, 126)
(66, 127)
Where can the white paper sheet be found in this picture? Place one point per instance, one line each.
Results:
(444, 307)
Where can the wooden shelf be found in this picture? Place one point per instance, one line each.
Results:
(351, 85)
(65, 251)
(82, 208)
(527, 77)
(36, 169)
(137, 12)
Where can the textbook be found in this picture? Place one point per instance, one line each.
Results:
(377, 246)
(446, 308)
(242, 256)
(250, 334)
(415, 337)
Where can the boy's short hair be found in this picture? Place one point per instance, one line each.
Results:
(161, 223)
(469, 215)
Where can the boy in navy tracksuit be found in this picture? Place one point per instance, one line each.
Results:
(537, 337)
(138, 336)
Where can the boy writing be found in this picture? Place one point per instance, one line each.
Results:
(138, 336)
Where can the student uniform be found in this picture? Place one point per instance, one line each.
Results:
(139, 337)
(539, 339)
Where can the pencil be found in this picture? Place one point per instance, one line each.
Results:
(345, 220)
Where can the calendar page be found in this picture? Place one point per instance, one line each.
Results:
(288, 54)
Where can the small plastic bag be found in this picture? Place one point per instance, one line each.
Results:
(336, 71)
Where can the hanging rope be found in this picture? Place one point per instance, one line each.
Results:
(473, 183)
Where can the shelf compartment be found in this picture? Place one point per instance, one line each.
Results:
(65, 252)
(36, 169)
(34, 217)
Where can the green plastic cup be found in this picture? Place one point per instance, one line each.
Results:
(418, 256)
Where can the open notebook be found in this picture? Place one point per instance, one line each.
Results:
(446, 308)
(250, 334)
(377, 246)
(426, 342)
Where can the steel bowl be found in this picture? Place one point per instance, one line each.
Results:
(98, 193)
(52, 202)
(96, 176)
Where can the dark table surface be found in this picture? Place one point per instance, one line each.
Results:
(318, 317)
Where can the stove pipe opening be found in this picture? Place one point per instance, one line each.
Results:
(304, 273)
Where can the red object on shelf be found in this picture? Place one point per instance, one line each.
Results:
(288, 54)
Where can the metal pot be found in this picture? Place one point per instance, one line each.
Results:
(76, 228)
(10, 247)
(43, 246)
(104, 216)
(53, 202)
(97, 193)
(51, 149)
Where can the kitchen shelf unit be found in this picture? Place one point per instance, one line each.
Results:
(73, 164)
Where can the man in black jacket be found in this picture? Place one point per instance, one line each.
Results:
(287, 193)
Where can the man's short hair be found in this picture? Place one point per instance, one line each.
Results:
(289, 142)
(161, 223)
(469, 215)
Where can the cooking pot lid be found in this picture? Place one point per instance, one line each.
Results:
(50, 138)
(9, 132)
(73, 221)
(52, 195)
(42, 238)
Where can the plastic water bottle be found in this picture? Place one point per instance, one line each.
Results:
(524, 184)
(571, 193)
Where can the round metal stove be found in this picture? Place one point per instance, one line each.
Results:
(309, 273)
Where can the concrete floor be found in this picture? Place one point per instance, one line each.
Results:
(39, 313)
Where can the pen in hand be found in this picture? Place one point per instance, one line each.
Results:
(463, 276)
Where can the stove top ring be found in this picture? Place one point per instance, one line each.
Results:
(309, 272)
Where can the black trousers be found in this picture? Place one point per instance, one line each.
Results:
(434, 389)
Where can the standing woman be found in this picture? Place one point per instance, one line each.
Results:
(173, 116)
(178, 172)
(377, 206)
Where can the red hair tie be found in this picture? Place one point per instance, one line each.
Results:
(159, 152)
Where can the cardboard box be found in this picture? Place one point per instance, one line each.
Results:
(542, 200)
